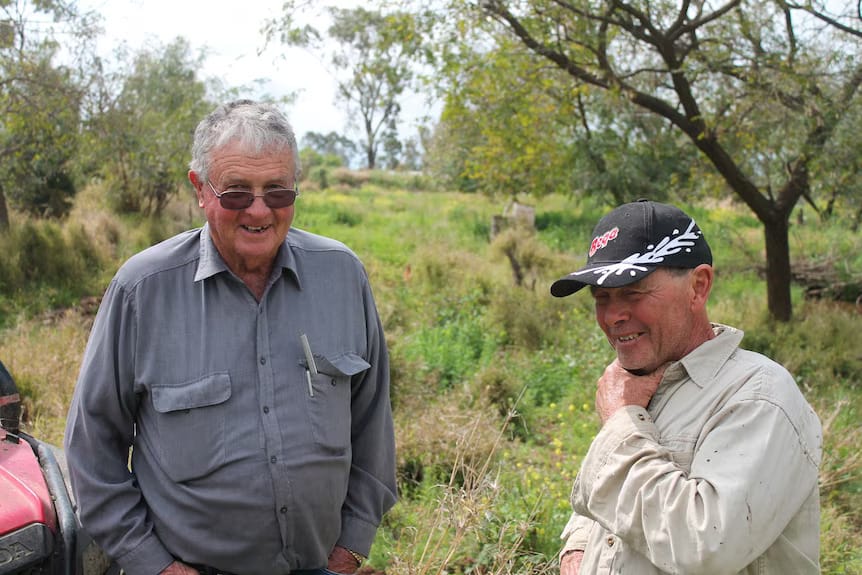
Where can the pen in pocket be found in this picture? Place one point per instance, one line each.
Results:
(309, 360)
(310, 387)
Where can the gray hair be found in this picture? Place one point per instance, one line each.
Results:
(256, 126)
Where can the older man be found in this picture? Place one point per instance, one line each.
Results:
(708, 454)
(244, 365)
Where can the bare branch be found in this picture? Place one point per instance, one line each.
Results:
(828, 19)
(690, 26)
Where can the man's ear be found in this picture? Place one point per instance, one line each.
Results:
(701, 284)
(198, 185)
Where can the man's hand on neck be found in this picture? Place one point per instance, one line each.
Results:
(618, 387)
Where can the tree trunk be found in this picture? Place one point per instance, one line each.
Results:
(778, 273)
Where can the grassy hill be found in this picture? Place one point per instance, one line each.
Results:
(493, 382)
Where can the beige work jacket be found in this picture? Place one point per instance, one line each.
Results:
(718, 475)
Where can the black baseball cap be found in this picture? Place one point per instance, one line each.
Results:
(633, 241)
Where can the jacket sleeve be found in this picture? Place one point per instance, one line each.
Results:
(750, 473)
(99, 433)
(371, 489)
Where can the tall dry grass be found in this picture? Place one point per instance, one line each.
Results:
(43, 354)
(463, 528)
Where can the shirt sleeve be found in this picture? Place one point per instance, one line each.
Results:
(576, 533)
(749, 475)
(99, 434)
(371, 489)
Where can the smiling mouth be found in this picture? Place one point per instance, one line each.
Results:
(628, 338)
(255, 229)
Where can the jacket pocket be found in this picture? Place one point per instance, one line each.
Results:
(192, 418)
(330, 396)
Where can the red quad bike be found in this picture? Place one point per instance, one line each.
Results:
(39, 532)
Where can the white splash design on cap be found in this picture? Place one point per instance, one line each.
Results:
(635, 263)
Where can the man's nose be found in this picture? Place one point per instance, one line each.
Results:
(615, 312)
(258, 206)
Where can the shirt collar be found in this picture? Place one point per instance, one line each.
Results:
(705, 361)
(211, 262)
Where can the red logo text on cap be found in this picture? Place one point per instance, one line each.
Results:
(601, 241)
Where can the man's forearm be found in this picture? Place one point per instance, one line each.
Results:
(570, 562)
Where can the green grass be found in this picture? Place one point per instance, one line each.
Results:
(493, 384)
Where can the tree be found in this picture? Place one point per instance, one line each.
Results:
(331, 144)
(320, 153)
(514, 125)
(760, 88)
(39, 105)
(373, 54)
(140, 125)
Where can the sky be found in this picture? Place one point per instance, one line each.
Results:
(231, 34)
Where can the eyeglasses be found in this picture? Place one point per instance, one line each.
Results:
(240, 199)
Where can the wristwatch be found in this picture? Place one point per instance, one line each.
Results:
(359, 558)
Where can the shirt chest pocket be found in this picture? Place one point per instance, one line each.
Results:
(191, 422)
(681, 450)
(329, 398)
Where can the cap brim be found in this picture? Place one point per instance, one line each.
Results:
(566, 286)
(583, 277)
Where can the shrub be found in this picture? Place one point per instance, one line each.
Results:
(455, 347)
(528, 258)
(525, 318)
(41, 253)
(44, 358)
(440, 434)
(812, 346)
(346, 177)
(841, 547)
(471, 520)
(11, 277)
(46, 265)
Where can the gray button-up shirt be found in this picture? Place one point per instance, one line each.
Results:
(241, 459)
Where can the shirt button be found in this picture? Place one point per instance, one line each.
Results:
(273, 459)
(610, 541)
(283, 509)
(266, 409)
(263, 361)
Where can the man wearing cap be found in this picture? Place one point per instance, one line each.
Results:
(708, 454)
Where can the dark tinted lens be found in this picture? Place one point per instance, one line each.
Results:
(236, 200)
(279, 198)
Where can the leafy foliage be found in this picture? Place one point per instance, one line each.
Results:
(754, 89)
(330, 150)
(140, 126)
(511, 126)
(39, 108)
(373, 55)
(47, 264)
